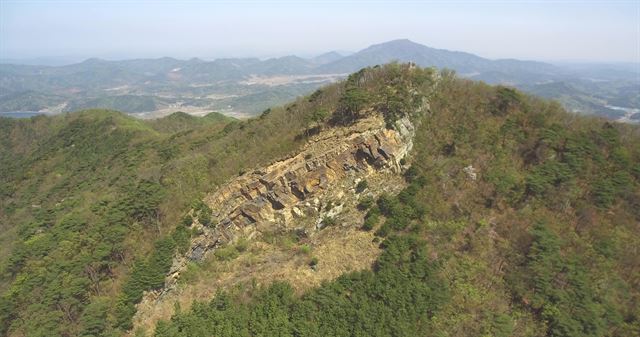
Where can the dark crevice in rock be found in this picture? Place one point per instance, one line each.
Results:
(384, 152)
(295, 190)
(275, 200)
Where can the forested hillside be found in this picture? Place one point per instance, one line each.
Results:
(517, 218)
(85, 196)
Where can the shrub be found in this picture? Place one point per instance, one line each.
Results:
(604, 193)
(505, 100)
(305, 249)
(365, 203)
(545, 267)
(146, 274)
(384, 230)
(182, 238)
(242, 245)
(226, 253)
(410, 174)
(264, 113)
(315, 95)
(352, 102)
(369, 223)
(328, 221)
(361, 186)
(371, 219)
(549, 174)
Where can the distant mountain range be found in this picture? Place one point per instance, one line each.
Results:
(406, 50)
(245, 86)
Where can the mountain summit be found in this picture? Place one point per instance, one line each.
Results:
(404, 50)
(327, 57)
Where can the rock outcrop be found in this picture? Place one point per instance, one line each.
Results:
(281, 195)
(304, 193)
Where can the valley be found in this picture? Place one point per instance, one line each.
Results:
(244, 87)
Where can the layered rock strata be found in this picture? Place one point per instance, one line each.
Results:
(271, 197)
(288, 193)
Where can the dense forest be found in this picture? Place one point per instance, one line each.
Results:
(517, 219)
(91, 203)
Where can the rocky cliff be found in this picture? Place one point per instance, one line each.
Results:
(309, 185)
(306, 192)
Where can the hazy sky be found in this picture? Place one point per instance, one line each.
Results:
(541, 30)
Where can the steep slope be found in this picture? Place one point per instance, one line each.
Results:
(512, 219)
(351, 145)
(86, 195)
(92, 204)
(268, 199)
(271, 196)
(444, 206)
(305, 194)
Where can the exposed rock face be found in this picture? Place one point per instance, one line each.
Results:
(280, 195)
(301, 193)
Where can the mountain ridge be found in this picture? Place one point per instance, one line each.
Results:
(221, 84)
(401, 47)
(405, 50)
(494, 198)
